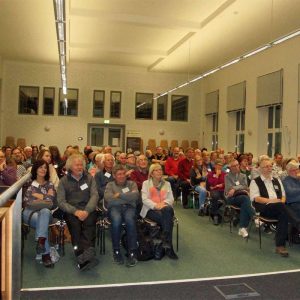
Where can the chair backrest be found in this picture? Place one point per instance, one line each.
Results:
(10, 141)
(21, 142)
(174, 143)
(152, 145)
(164, 144)
(185, 144)
(194, 144)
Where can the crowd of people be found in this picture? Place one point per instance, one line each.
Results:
(133, 185)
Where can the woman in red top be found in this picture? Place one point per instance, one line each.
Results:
(216, 185)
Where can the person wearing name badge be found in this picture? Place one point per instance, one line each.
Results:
(215, 185)
(77, 196)
(105, 176)
(121, 197)
(268, 196)
(237, 193)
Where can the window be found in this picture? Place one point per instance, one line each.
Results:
(48, 101)
(214, 139)
(274, 130)
(68, 104)
(98, 108)
(179, 108)
(239, 131)
(115, 104)
(162, 106)
(28, 100)
(144, 106)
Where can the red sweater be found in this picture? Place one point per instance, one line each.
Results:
(184, 168)
(139, 177)
(171, 166)
(213, 180)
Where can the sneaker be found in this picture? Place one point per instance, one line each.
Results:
(243, 232)
(216, 220)
(258, 223)
(282, 251)
(118, 258)
(47, 262)
(131, 260)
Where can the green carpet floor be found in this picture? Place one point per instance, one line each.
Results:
(205, 251)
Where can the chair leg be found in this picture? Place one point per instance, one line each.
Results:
(259, 233)
(177, 236)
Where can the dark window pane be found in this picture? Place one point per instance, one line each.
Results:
(49, 98)
(143, 106)
(241, 143)
(28, 100)
(270, 117)
(98, 110)
(277, 142)
(68, 104)
(242, 120)
(179, 108)
(162, 104)
(115, 104)
(238, 120)
(97, 136)
(278, 116)
(270, 144)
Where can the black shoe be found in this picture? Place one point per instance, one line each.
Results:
(118, 258)
(131, 260)
(89, 264)
(47, 262)
(171, 254)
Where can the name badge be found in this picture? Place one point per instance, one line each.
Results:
(125, 190)
(107, 174)
(249, 176)
(35, 184)
(227, 170)
(276, 187)
(215, 176)
(84, 187)
(237, 183)
(209, 170)
(55, 166)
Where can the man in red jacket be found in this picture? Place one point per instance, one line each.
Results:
(184, 168)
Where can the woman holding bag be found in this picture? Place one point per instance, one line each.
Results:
(39, 199)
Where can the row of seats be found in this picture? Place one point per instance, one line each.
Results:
(174, 143)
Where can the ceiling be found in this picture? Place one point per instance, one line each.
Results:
(186, 36)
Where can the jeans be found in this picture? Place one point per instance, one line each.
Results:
(174, 185)
(247, 212)
(83, 233)
(202, 195)
(39, 220)
(185, 186)
(164, 218)
(117, 215)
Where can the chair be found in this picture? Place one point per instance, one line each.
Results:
(10, 141)
(152, 145)
(21, 143)
(194, 144)
(174, 143)
(164, 144)
(102, 225)
(185, 144)
(233, 212)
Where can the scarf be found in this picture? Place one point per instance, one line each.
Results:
(158, 193)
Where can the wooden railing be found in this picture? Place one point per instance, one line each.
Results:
(10, 239)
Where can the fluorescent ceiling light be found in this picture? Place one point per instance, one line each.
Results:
(182, 85)
(197, 78)
(257, 51)
(64, 90)
(59, 9)
(287, 37)
(172, 90)
(63, 69)
(61, 31)
(230, 63)
(210, 72)
(63, 77)
(62, 47)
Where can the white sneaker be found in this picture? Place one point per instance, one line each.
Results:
(258, 223)
(243, 232)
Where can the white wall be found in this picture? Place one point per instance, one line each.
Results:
(285, 56)
(66, 130)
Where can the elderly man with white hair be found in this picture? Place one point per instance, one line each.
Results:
(291, 185)
(77, 196)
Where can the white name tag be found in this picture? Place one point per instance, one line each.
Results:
(125, 190)
(227, 170)
(35, 184)
(107, 175)
(237, 183)
(55, 166)
(84, 187)
(209, 170)
(275, 187)
(249, 176)
(215, 176)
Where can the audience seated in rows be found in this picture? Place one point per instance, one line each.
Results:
(8, 174)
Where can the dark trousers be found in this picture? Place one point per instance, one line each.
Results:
(164, 218)
(174, 185)
(185, 186)
(83, 233)
(215, 204)
(277, 211)
(244, 203)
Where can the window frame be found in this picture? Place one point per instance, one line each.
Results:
(94, 93)
(152, 102)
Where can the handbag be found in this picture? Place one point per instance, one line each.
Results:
(240, 192)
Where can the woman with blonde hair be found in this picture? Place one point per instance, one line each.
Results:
(158, 202)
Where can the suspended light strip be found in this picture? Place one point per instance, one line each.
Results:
(234, 61)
